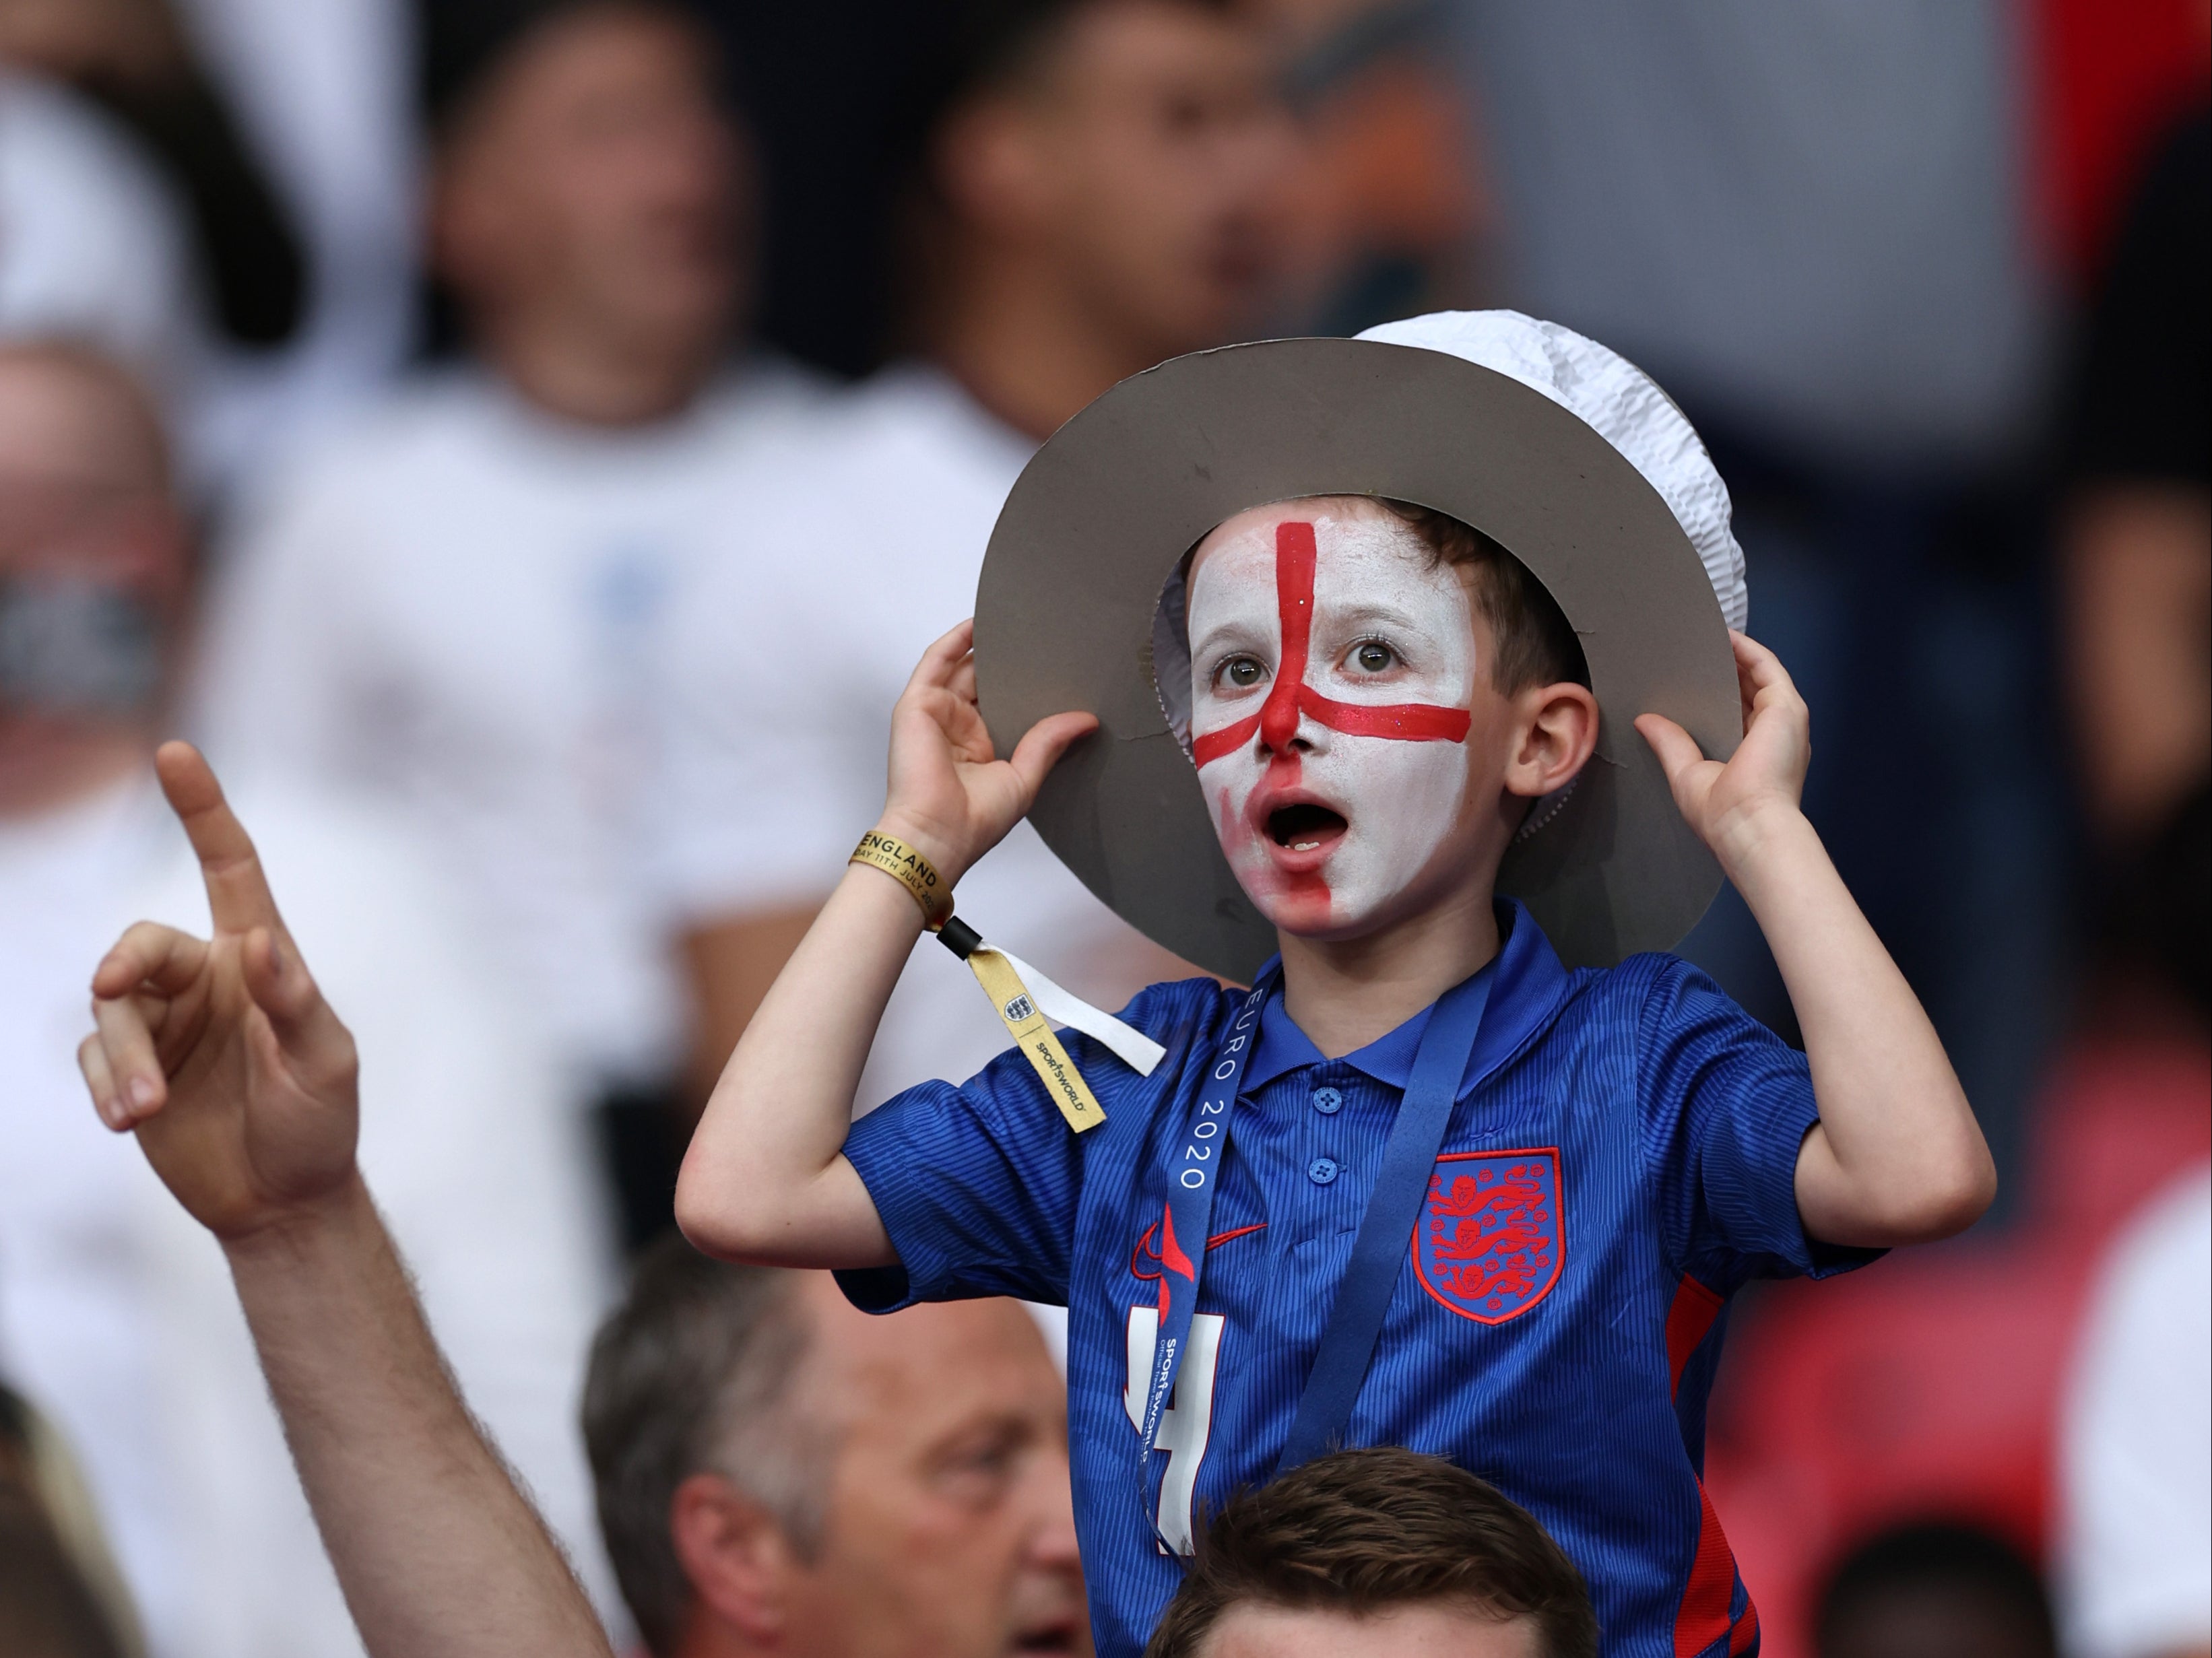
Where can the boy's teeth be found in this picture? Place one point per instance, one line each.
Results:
(1304, 846)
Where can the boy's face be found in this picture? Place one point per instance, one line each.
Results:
(1343, 718)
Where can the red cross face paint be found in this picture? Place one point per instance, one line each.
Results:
(1333, 669)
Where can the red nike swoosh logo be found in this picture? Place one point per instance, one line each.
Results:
(1145, 1252)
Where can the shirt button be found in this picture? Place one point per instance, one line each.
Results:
(1326, 1100)
(1321, 1170)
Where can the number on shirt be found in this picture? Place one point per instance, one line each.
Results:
(1188, 1421)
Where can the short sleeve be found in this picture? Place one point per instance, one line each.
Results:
(1725, 1106)
(977, 1185)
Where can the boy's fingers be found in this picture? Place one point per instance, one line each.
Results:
(149, 953)
(137, 1086)
(1044, 743)
(963, 682)
(1677, 749)
(939, 661)
(1757, 667)
(238, 892)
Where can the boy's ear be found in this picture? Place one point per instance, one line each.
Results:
(1559, 733)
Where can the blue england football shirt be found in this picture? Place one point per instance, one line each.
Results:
(1621, 1157)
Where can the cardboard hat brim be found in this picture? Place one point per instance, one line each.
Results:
(1101, 515)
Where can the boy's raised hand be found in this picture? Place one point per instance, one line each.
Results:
(949, 795)
(1725, 802)
(220, 1054)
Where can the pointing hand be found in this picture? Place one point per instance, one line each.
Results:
(220, 1054)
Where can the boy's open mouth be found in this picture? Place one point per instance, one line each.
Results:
(1304, 827)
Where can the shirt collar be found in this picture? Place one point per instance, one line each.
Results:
(1528, 987)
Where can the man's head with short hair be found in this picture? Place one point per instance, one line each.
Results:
(1934, 1589)
(695, 1374)
(1374, 1551)
(590, 208)
(779, 1472)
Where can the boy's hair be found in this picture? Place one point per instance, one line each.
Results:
(694, 1373)
(1363, 1532)
(1536, 645)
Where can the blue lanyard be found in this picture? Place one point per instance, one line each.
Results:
(1192, 1178)
(1378, 1252)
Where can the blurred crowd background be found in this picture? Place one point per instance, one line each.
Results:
(528, 442)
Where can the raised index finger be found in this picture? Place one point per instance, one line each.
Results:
(239, 897)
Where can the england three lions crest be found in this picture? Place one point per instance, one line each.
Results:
(1490, 1242)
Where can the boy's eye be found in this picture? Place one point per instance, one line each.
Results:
(1243, 672)
(1373, 656)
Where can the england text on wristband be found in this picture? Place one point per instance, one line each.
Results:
(911, 871)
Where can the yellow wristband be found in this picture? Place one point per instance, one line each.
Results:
(911, 871)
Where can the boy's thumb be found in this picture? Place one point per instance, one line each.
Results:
(1675, 748)
(1044, 743)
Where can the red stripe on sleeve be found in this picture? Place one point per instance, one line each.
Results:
(1703, 1617)
(1688, 1321)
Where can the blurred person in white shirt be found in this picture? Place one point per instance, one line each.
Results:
(115, 1316)
(2134, 1552)
(1095, 195)
(458, 606)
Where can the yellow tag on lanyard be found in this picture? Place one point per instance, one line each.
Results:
(1033, 1034)
(1029, 1017)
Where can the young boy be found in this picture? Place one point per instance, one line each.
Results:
(1423, 1186)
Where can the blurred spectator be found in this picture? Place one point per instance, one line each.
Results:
(1094, 200)
(778, 1472)
(2138, 571)
(94, 246)
(1385, 215)
(134, 59)
(458, 606)
(1811, 223)
(1365, 1553)
(322, 93)
(226, 270)
(1935, 1590)
(2112, 74)
(2135, 1552)
(115, 1311)
(1935, 1385)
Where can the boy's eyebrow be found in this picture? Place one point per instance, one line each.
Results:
(1370, 612)
(1238, 631)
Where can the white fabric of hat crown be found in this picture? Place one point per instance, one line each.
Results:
(1617, 400)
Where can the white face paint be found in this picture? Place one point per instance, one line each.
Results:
(1335, 777)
